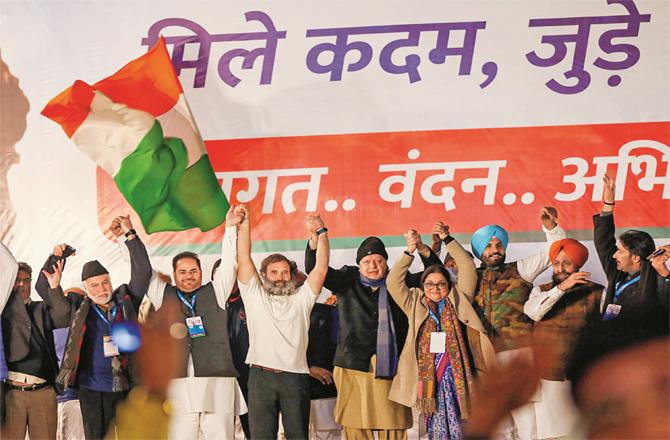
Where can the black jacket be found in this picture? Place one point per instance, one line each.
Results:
(63, 309)
(323, 329)
(650, 292)
(357, 306)
(17, 326)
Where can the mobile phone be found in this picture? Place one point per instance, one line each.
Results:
(69, 250)
(656, 253)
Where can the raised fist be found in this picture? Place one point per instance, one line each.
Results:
(609, 189)
(234, 216)
(313, 222)
(243, 212)
(412, 239)
(125, 222)
(441, 230)
(120, 225)
(549, 217)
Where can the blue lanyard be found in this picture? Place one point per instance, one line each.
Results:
(191, 304)
(435, 318)
(621, 286)
(103, 316)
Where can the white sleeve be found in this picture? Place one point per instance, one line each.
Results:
(125, 253)
(308, 296)
(531, 267)
(539, 303)
(250, 291)
(156, 287)
(156, 290)
(224, 278)
(8, 270)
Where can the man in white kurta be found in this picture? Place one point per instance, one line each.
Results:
(207, 398)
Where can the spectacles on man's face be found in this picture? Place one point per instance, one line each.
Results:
(19, 281)
(439, 285)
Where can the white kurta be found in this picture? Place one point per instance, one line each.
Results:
(204, 405)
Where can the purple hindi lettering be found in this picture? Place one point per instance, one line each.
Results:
(271, 37)
(336, 64)
(577, 72)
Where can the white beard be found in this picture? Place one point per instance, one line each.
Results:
(279, 288)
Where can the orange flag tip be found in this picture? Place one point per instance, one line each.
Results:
(70, 107)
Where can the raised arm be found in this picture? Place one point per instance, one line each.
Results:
(317, 275)
(58, 304)
(467, 272)
(246, 269)
(336, 280)
(428, 258)
(156, 287)
(603, 230)
(224, 278)
(8, 270)
(42, 284)
(395, 282)
(531, 267)
(140, 266)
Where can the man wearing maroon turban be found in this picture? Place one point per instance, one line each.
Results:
(560, 310)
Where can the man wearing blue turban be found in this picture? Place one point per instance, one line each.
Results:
(502, 290)
(482, 237)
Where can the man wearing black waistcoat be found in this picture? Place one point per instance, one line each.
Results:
(205, 397)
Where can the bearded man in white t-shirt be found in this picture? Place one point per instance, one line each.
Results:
(278, 317)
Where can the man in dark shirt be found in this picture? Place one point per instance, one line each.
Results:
(637, 281)
(239, 343)
(31, 360)
(323, 326)
(372, 331)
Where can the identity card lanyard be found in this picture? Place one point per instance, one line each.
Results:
(196, 329)
(621, 286)
(103, 316)
(109, 348)
(613, 310)
(438, 339)
(189, 304)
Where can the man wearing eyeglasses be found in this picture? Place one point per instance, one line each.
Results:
(31, 360)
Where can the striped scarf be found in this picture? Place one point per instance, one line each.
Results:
(68, 373)
(387, 346)
(442, 317)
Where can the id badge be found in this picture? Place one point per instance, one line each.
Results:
(109, 347)
(195, 327)
(438, 341)
(612, 311)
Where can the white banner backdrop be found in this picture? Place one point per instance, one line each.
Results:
(486, 76)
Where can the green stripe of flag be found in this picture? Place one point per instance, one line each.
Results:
(165, 194)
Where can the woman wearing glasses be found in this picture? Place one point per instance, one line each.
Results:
(446, 345)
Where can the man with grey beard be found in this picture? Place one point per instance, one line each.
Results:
(278, 318)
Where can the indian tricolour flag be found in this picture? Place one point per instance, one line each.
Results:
(137, 126)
